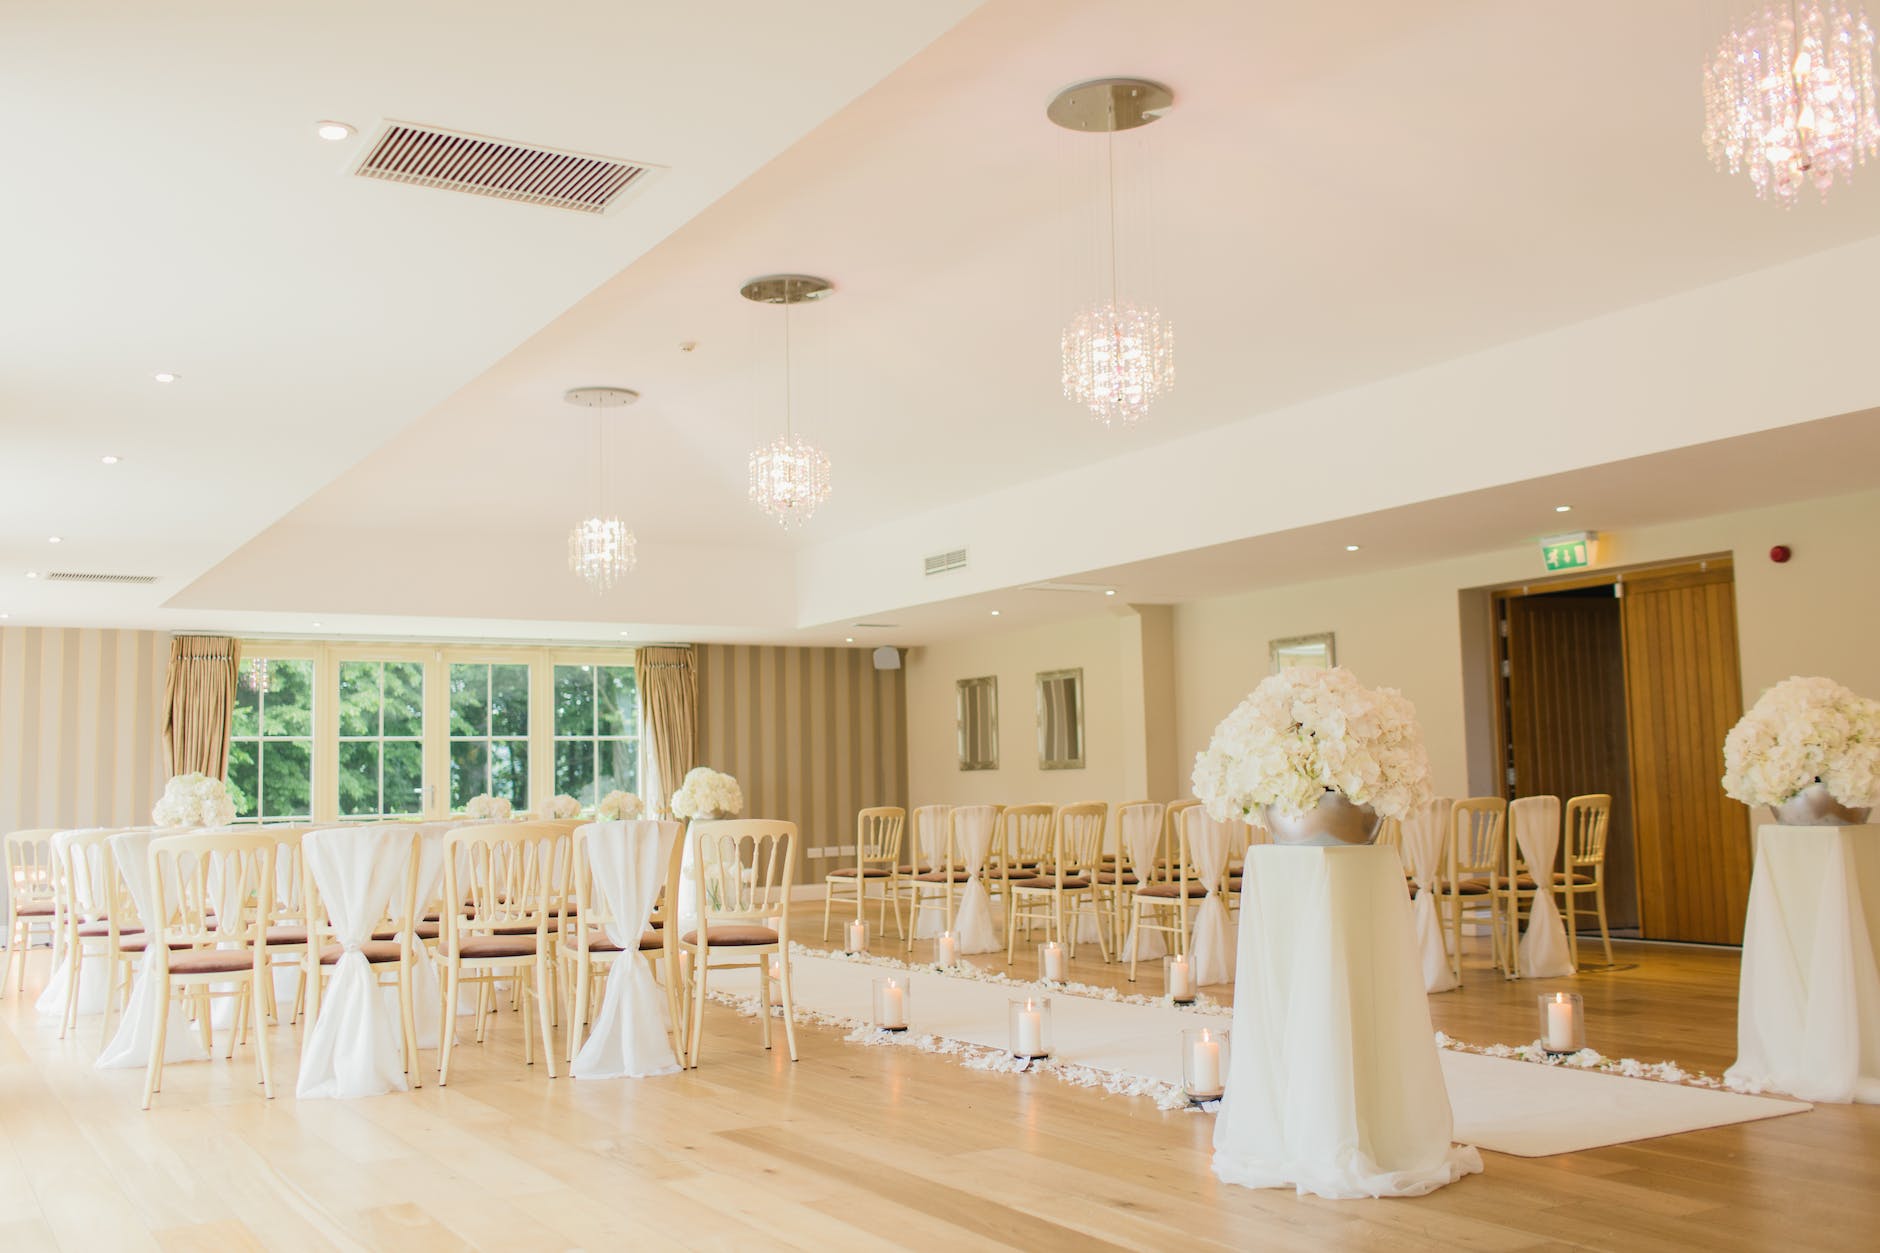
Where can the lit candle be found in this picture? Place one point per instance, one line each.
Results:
(1052, 961)
(776, 968)
(1561, 1028)
(1181, 981)
(858, 936)
(1204, 1068)
(1028, 1040)
(685, 967)
(893, 1007)
(947, 949)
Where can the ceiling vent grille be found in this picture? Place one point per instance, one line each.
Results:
(1087, 588)
(942, 563)
(876, 626)
(70, 576)
(428, 156)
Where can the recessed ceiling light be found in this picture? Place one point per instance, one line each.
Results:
(316, 624)
(54, 539)
(1109, 591)
(1563, 508)
(165, 376)
(995, 613)
(4, 615)
(849, 639)
(32, 574)
(333, 132)
(110, 459)
(1351, 548)
(626, 632)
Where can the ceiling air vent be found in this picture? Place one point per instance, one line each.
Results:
(1088, 588)
(455, 161)
(877, 626)
(941, 563)
(69, 576)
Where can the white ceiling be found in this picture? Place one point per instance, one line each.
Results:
(1341, 195)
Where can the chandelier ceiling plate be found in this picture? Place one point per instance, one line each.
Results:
(1105, 105)
(786, 289)
(600, 397)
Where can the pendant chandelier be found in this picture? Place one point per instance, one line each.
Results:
(601, 550)
(258, 676)
(789, 477)
(1789, 97)
(1118, 357)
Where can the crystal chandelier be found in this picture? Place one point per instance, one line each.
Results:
(1118, 357)
(789, 477)
(1789, 97)
(258, 676)
(601, 550)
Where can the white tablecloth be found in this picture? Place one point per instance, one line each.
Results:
(629, 1035)
(355, 1046)
(1212, 844)
(1425, 841)
(1543, 952)
(131, 1045)
(1334, 1085)
(1808, 1013)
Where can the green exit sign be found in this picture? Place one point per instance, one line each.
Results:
(1569, 552)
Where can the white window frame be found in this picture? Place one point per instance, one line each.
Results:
(271, 651)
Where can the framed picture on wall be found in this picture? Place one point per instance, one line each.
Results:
(1316, 652)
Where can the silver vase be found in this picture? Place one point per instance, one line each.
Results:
(1814, 807)
(1333, 823)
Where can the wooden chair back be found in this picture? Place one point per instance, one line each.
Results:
(1476, 837)
(592, 912)
(1024, 842)
(745, 868)
(401, 911)
(1171, 835)
(931, 829)
(1133, 816)
(216, 889)
(32, 875)
(1077, 841)
(1588, 819)
(500, 877)
(878, 833)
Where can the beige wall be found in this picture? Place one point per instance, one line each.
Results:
(811, 734)
(80, 726)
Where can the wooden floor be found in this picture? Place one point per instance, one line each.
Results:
(857, 1147)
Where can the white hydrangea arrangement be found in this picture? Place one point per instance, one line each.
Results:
(707, 794)
(1305, 732)
(487, 808)
(193, 800)
(562, 805)
(1803, 731)
(619, 807)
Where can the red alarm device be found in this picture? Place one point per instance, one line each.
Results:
(1780, 553)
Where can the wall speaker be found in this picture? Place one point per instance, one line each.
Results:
(887, 657)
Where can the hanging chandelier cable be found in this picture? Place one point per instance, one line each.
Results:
(789, 477)
(601, 550)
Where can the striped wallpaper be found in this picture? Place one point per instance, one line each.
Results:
(81, 737)
(811, 734)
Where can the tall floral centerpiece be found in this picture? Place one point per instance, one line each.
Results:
(193, 800)
(487, 808)
(1316, 758)
(1811, 749)
(619, 807)
(707, 794)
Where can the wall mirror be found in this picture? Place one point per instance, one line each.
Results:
(1315, 652)
(1061, 720)
(979, 722)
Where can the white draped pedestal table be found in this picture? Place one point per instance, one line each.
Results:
(628, 1038)
(1335, 1087)
(1808, 1012)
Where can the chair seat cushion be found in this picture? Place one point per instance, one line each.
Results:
(1109, 876)
(1049, 883)
(286, 935)
(135, 943)
(514, 928)
(1577, 879)
(92, 930)
(377, 952)
(1467, 887)
(1522, 883)
(912, 869)
(1019, 873)
(1170, 891)
(36, 909)
(422, 930)
(211, 961)
(868, 872)
(599, 943)
(733, 934)
(940, 876)
(473, 947)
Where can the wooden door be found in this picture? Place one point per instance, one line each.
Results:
(1566, 708)
(1683, 693)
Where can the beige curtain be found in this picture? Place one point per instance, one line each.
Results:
(669, 706)
(198, 701)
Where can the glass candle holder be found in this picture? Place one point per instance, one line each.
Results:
(858, 937)
(1204, 1063)
(1563, 1022)
(1179, 973)
(891, 1008)
(946, 950)
(1053, 963)
(1030, 1020)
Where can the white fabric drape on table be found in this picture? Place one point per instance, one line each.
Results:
(355, 1047)
(1209, 844)
(130, 1046)
(1808, 1012)
(1543, 952)
(1139, 830)
(1334, 1086)
(629, 1035)
(93, 977)
(973, 826)
(1425, 841)
(930, 847)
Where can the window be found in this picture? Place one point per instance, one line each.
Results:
(270, 766)
(381, 738)
(597, 731)
(489, 732)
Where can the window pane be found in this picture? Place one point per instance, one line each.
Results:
(469, 701)
(287, 707)
(509, 771)
(620, 766)
(619, 701)
(509, 700)
(404, 777)
(574, 700)
(574, 769)
(358, 701)
(247, 710)
(243, 777)
(358, 776)
(469, 766)
(404, 700)
(286, 778)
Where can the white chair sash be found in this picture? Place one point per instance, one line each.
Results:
(354, 1048)
(930, 846)
(130, 1047)
(1141, 832)
(973, 826)
(629, 1036)
(1209, 845)
(1425, 831)
(1544, 952)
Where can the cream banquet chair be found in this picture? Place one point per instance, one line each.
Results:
(587, 955)
(1065, 886)
(938, 886)
(1588, 820)
(32, 891)
(1019, 850)
(1121, 873)
(1471, 860)
(85, 874)
(1514, 883)
(926, 839)
(1165, 900)
(744, 871)
(877, 860)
